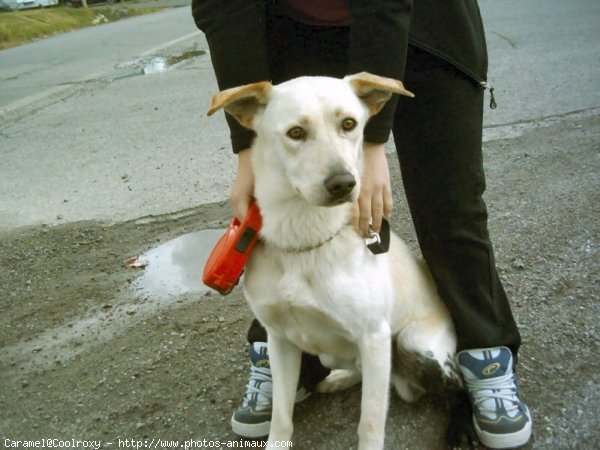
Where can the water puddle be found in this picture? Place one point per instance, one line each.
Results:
(175, 267)
(147, 65)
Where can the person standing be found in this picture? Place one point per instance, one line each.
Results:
(439, 51)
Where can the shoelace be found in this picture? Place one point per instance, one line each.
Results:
(500, 388)
(258, 375)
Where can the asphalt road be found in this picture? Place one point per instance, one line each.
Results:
(59, 61)
(83, 138)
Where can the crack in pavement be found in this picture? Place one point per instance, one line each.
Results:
(515, 129)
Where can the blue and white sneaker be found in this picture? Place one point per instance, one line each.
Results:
(253, 418)
(500, 417)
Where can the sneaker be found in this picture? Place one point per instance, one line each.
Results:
(500, 417)
(253, 417)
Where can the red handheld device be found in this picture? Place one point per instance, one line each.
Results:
(227, 260)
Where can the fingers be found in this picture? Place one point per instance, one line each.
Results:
(372, 207)
(240, 206)
(242, 189)
(388, 202)
(375, 200)
(376, 213)
(364, 214)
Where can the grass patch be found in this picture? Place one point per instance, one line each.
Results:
(22, 27)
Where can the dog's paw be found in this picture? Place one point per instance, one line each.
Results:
(460, 436)
(460, 433)
(338, 380)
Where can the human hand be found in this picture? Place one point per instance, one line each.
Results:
(242, 189)
(375, 199)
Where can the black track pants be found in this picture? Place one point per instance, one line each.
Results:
(438, 140)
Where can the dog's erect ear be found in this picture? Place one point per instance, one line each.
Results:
(242, 102)
(374, 90)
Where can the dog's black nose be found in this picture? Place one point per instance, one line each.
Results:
(340, 184)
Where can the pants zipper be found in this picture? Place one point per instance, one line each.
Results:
(485, 85)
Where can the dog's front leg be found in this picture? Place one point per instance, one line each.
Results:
(285, 369)
(375, 358)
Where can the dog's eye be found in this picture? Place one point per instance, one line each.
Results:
(349, 124)
(296, 133)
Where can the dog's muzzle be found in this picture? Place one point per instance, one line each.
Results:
(339, 185)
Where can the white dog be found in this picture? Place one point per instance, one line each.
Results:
(311, 280)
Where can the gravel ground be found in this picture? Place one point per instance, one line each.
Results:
(84, 357)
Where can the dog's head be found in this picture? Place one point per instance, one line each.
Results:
(309, 131)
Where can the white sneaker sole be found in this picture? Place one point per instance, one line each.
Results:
(256, 430)
(509, 440)
(250, 430)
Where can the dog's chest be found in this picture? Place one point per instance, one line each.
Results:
(319, 304)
